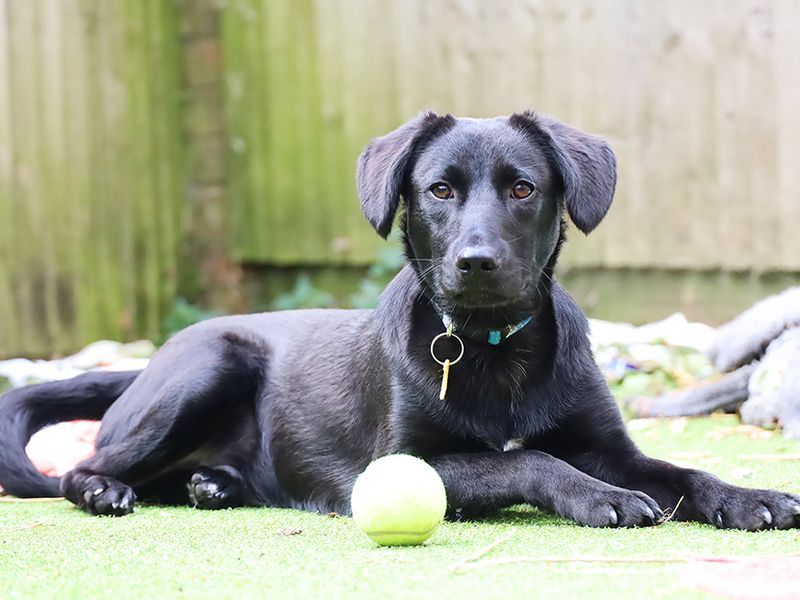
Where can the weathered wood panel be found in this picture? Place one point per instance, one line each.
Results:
(699, 100)
(90, 171)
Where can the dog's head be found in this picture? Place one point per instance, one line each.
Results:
(484, 200)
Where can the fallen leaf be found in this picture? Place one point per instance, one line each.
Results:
(290, 531)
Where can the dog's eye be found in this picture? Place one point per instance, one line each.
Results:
(441, 190)
(522, 189)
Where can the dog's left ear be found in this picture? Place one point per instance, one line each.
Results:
(384, 165)
(586, 163)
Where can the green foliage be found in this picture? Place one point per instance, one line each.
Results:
(182, 314)
(307, 294)
(304, 295)
(390, 260)
(674, 368)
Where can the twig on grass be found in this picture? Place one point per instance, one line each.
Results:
(31, 526)
(769, 457)
(669, 514)
(14, 499)
(606, 560)
(571, 559)
(483, 551)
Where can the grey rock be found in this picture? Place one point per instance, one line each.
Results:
(746, 337)
(774, 387)
(726, 394)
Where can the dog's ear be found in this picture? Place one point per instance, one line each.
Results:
(384, 166)
(586, 163)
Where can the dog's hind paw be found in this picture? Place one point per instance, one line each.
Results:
(215, 488)
(105, 496)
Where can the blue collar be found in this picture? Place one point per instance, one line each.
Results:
(493, 336)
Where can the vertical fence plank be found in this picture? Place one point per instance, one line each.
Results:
(140, 157)
(167, 123)
(787, 78)
(75, 65)
(25, 199)
(148, 163)
(8, 322)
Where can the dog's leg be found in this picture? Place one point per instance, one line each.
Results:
(698, 496)
(482, 482)
(183, 399)
(596, 442)
(610, 455)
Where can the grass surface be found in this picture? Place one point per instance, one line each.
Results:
(50, 550)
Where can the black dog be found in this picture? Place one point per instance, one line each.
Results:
(286, 409)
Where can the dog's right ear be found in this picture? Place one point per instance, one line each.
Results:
(384, 166)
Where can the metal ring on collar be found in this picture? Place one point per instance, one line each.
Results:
(453, 336)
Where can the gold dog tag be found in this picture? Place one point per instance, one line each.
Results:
(446, 363)
(445, 375)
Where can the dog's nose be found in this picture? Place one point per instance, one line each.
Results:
(477, 260)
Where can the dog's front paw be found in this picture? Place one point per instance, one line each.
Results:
(106, 496)
(742, 508)
(214, 488)
(612, 507)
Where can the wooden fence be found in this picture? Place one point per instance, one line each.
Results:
(699, 99)
(106, 167)
(90, 161)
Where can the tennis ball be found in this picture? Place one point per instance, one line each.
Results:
(399, 500)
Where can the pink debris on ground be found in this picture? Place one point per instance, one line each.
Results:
(56, 449)
(757, 578)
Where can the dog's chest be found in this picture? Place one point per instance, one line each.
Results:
(516, 443)
(461, 423)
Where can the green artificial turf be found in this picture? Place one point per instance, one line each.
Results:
(51, 550)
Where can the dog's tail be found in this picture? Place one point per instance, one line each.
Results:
(25, 411)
